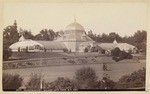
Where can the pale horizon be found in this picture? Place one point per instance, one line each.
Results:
(121, 18)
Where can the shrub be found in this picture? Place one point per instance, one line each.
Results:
(129, 56)
(124, 55)
(34, 82)
(11, 82)
(82, 61)
(103, 51)
(6, 53)
(118, 55)
(115, 58)
(64, 58)
(107, 83)
(71, 61)
(86, 49)
(86, 78)
(115, 52)
(133, 80)
(65, 50)
(61, 84)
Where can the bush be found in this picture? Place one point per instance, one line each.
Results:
(61, 84)
(71, 61)
(118, 55)
(82, 61)
(64, 58)
(65, 50)
(124, 55)
(86, 78)
(34, 82)
(11, 82)
(6, 53)
(107, 83)
(133, 80)
(115, 52)
(103, 51)
(86, 49)
(115, 58)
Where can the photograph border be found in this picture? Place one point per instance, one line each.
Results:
(147, 87)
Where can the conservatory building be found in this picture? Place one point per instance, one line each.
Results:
(73, 39)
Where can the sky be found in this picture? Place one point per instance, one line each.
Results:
(122, 18)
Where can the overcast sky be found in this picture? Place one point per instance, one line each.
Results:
(122, 18)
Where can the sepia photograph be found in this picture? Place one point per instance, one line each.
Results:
(74, 47)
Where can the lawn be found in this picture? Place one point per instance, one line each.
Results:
(60, 67)
(52, 72)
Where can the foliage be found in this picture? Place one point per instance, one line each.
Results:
(115, 52)
(46, 34)
(125, 55)
(133, 80)
(61, 84)
(105, 83)
(118, 55)
(27, 34)
(65, 50)
(34, 82)
(6, 53)
(11, 82)
(86, 78)
(115, 58)
(86, 49)
(71, 61)
(138, 39)
(106, 38)
(10, 36)
(103, 51)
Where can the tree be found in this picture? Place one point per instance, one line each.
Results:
(10, 36)
(86, 78)
(140, 36)
(11, 82)
(46, 34)
(91, 35)
(112, 36)
(27, 34)
(139, 39)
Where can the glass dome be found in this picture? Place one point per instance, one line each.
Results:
(74, 26)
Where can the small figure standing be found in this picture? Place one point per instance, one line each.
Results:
(105, 67)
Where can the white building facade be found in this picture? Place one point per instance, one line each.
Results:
(74, 39)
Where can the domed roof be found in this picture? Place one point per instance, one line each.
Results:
(24, 44)
(74, 26)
